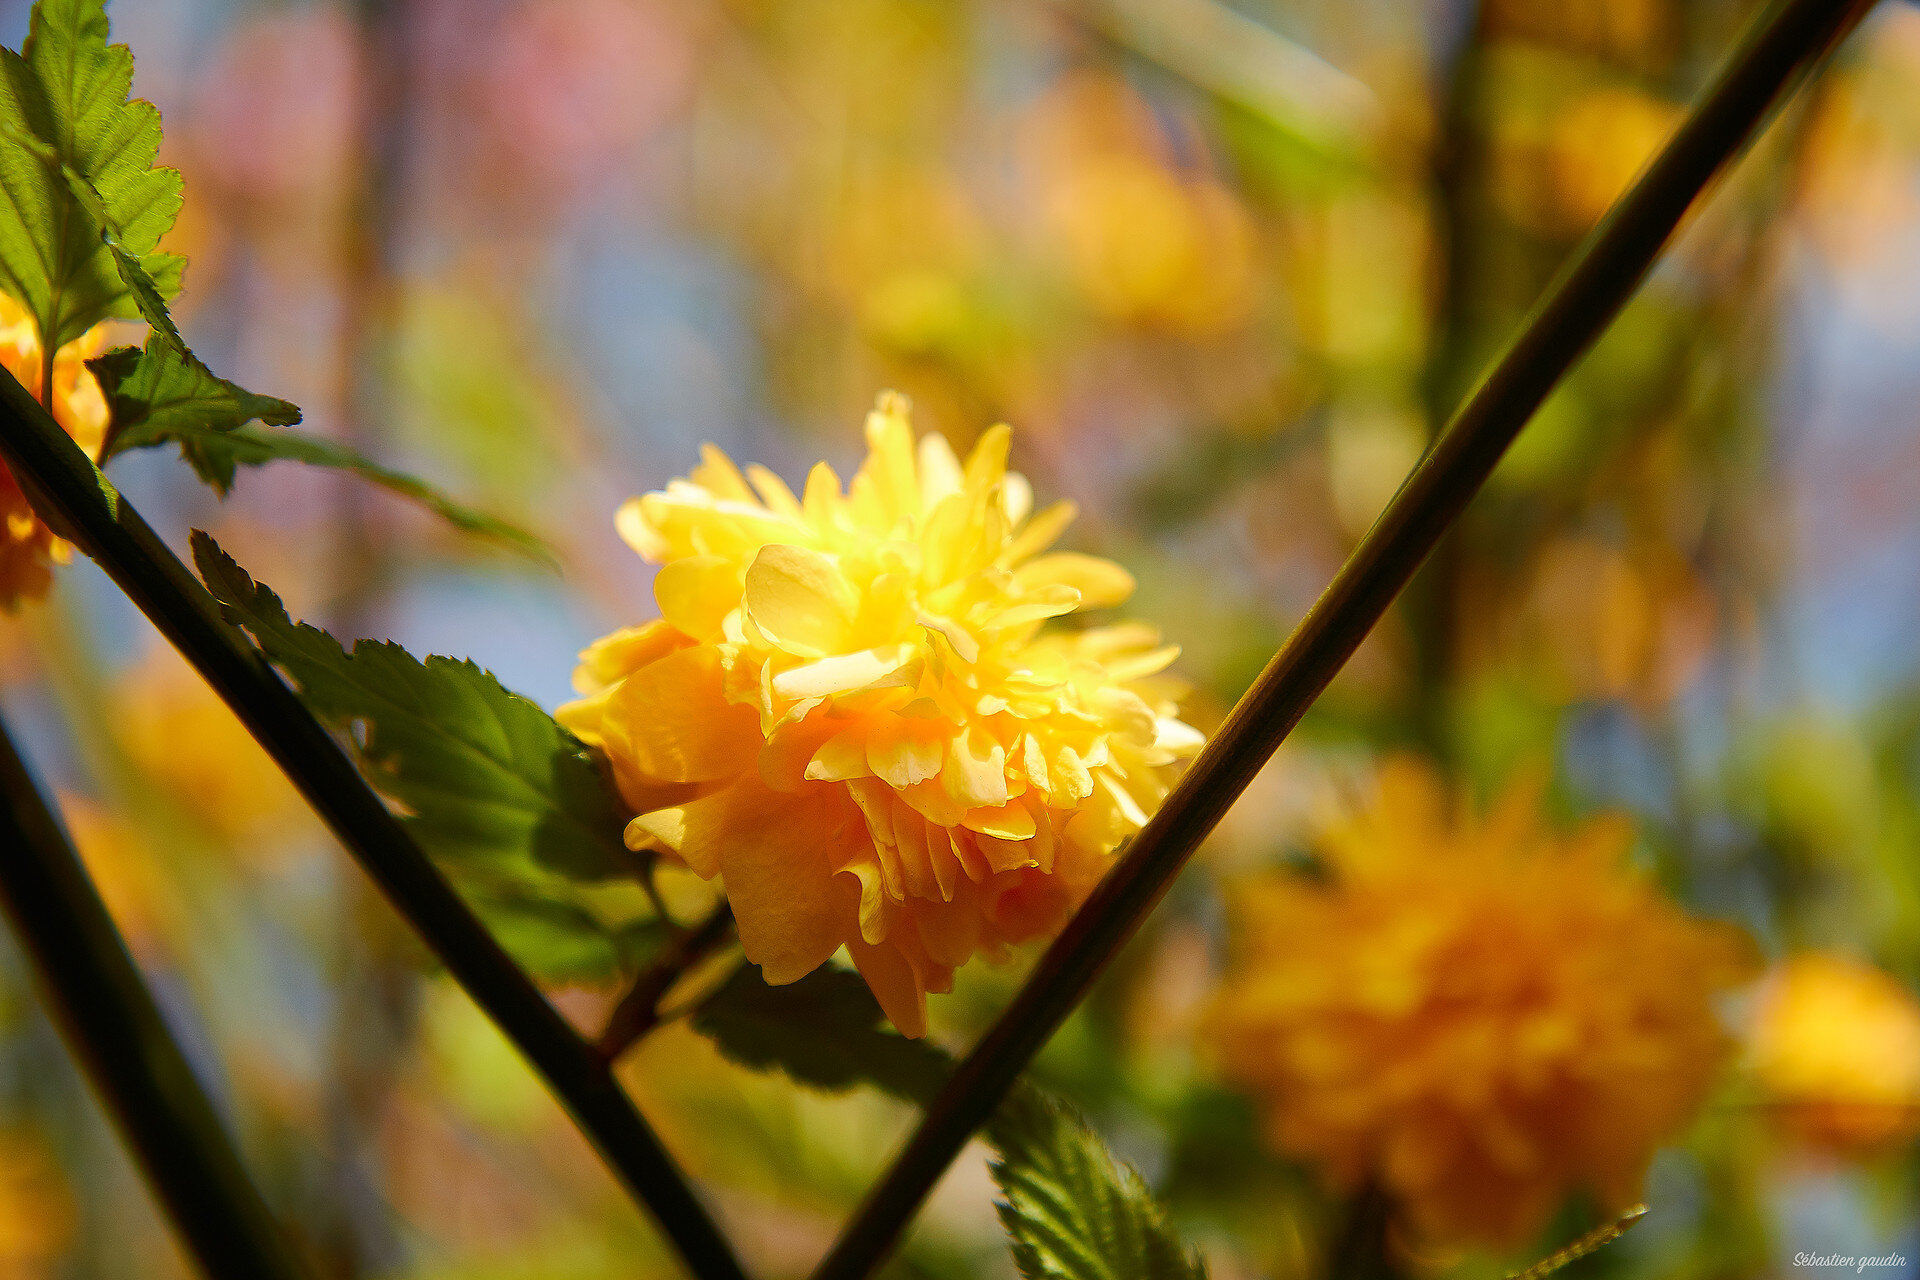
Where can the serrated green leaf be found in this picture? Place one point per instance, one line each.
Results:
(1072, 1211)
(83, 211)
(67, 90)
(162, 394)
(487, 780)
(825, 1030)
(146, 297)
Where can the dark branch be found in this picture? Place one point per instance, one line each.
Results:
(110, 1021)
(639, 1010)
(1603, 274)
(81, 505)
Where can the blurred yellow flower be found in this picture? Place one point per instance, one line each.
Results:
(183, 737)
(1474, 1014)
(1144, 243)
(851, 712)
(144, 902)
(1599, 145)
(37, 1214)
(1836, 1046)
(28, 549)
(1598, 622)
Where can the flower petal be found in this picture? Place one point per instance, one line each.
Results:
(976, 770)
(677, 724)
(793, 911)
(867, 669)
(895, 985)
(1101, 583)
(696, 593)
(799, 600)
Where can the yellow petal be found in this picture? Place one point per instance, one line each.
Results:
(912, 837)
(1042, 602)
(1177, 736)
(792, 744)
(774, 492)
(611, 659)
(867, 669)
(638, 532)
(905, 752)
(821, 501)
(700, 830)
(840, 758)
(719, 477)
(1008, 822)
(965, 647)
(1070, 774)
(1016, 498)
(951, 935)
(873, 898)
(987, 464)
(1101, 583)
(1142, 665)
(940, 473)
(696, 593)
(895, 985)
(931, 801)
(679, 724)
(793, 912)
(889, 464)
(799, 600)
(1040, 533)
(976, 770)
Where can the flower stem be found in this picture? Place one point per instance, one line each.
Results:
(639, 1010)
(111, 1023)
(1792, 37)
(1359, 1250)
(82, 506)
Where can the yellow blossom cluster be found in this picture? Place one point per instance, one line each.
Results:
(1836, 1049)
(1474, 1015)
(28, 549)
(853, 711)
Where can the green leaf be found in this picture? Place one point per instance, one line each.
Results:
(83, 212)
(561, 942)
(1073, 1212)
(487, 780)
(825, 1030)
(163, 394)
(64, 99)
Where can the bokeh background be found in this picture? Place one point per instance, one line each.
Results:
(1224, 266)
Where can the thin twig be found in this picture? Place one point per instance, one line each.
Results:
(1360, 1250)
(108, 1016)
(639, 1010)
(83, 506)
(1586, 1244)
(1580, 304)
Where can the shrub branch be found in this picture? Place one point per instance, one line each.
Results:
(1778, 51)
(108, 1016)
(83, 506)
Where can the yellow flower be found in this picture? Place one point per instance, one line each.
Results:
(37, 1211)
(851, 711)
(28, 549)
(1836, 1045)
(1475, 1015)
(186, 740)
